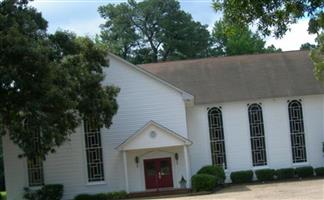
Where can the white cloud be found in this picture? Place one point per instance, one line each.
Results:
(294, 38)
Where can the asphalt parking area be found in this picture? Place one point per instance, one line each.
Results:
(294, 190)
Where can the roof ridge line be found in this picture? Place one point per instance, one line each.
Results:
(220, 57)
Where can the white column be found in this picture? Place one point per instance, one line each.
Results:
(125, 171)
(187, 163)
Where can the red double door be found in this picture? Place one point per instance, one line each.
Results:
(158, 173)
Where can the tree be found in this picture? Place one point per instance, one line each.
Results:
(152, 30)
(48, 82)
(273, 16)
(317, 56)
(307, 46)
(232, 39)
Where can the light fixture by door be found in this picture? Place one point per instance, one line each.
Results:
(176, 156)
(136, 161)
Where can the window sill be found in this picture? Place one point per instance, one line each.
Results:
(301, 164)
(35, 187)
(96, 183)
(261, 167)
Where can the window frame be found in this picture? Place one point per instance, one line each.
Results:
(216, 112)
(31, 170)
(34, 165)
(301, 132)
(92, 180)
(257, 135)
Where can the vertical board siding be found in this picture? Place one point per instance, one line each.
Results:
(277, 133)
(140, 100)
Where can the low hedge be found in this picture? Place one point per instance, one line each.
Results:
(319, 171)
(214, 170)
(47, 192)
(303, 172)
(102, 196)
(242, 176)
(53, 192)
(203, 182)
(117, 195)
(265, 174)
(285, 173)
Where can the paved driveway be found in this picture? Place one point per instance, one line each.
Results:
(294, 190)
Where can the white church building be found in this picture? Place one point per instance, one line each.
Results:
(240, 112)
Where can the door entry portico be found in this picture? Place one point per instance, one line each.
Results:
(158, 173)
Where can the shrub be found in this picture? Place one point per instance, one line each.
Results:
(32, 194)
(117, 195)
(102, 196)
(203, 182)
(214, 170)
(91, 197)
(242, 176)
(285, 173)
(319, 171)
(52, 192)
(83, 197)
(47, 192)
(304, 172)
(265, 174)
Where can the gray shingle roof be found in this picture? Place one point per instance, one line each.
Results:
(246, 77)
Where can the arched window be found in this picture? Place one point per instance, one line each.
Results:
(216, 133)
(258, 146)
(297, 134)
(93, 151)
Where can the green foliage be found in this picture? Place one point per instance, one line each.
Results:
(102, 196)
(48, 82)
(303, 172)
(152, 30)
(232, 39)
(265, 174)
(307, 46)
(285, 173)
(203, 182)
(52, 192)
(317, 56)
(214, 170)
(242, 176)
(273, 16)
(47, 192)
(117, 195)
(319, 171)
(3, 195)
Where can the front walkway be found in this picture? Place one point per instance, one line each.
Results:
(294, 190)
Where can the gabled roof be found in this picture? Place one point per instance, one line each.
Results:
(182, 140)
(185, 95)
(245, 77)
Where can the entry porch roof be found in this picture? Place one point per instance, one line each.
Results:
(153, 135)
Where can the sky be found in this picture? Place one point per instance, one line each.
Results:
(81, 17)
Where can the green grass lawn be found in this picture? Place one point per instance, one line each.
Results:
(4, 194)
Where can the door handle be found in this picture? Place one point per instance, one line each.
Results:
(159, 174)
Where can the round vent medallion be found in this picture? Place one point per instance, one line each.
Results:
(153, 134)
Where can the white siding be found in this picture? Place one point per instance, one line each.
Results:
(277, 133)
(140, 100)
(143, 99)
(15, 170)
